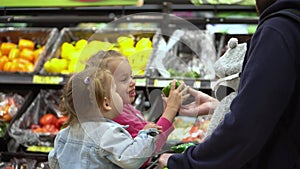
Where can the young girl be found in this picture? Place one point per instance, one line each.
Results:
(130, 116)
(92, 139)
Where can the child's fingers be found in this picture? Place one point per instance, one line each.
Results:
(182, 87)
(173, 84)
(159, 128)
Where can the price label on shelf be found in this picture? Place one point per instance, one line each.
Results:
(161, 83)
(47, 79)
(140, 82)
(197, 84)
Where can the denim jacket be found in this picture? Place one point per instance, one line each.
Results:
(110, 147)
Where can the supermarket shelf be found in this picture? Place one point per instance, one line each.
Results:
(121, 10)
(111, 13)
(80, 19)
(28, 81)
(57, 81)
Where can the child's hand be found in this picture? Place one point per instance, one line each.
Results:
(175, 98)
(153, 125)
(184, 97)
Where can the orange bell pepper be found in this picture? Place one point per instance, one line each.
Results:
(6, 47)
(7, 66)
(27, 54)
(3, 60)
(14, 53)
(22, 65)
(37, 53)
(25, 43)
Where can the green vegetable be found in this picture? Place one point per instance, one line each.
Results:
(191, 74)
(166, 89)
(174, 73)
(182, 147)
(3, 127)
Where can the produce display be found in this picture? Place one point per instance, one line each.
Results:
(75, 46)
(22, 49)
(188, 74)
(189, 129)
(65, 64)
(9, 105)
(138, 52)
(36, 128)
(20, 57)
(49, 123)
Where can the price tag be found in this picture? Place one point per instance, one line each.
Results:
(47, 79)
(161, 83)
(197, 84)
(140, 82)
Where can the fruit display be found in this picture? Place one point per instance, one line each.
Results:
(74, 46)
(9, 105)
(19, 57)
(22, 49)
(12, 102)
(197, 131)
(49, 123)
(189, 129)
(40, 122)
(187, 74)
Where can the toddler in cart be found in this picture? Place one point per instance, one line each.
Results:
(130, 116)
(91, 139)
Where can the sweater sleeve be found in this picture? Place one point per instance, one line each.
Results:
(122, 150)
(265, 90)
(167, 128)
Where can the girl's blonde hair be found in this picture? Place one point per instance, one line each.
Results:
(102, 81)
(107, 58)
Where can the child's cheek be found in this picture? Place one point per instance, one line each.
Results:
(118, 104)
(123, 92)
(126, 98)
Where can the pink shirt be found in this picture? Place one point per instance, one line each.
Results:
(136, 122)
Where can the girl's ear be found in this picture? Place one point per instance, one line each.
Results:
(106, 104)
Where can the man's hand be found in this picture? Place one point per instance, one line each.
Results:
(163, 160)
(203, 104)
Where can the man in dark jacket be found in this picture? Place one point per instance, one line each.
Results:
(262, 131)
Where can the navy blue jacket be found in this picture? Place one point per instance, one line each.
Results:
(262, 131)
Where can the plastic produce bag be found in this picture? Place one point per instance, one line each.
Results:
(21, 131)
(187, 51)
(9, 105)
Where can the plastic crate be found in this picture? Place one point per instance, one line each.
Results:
(41, 36)
(27, 98)
(107, 35)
